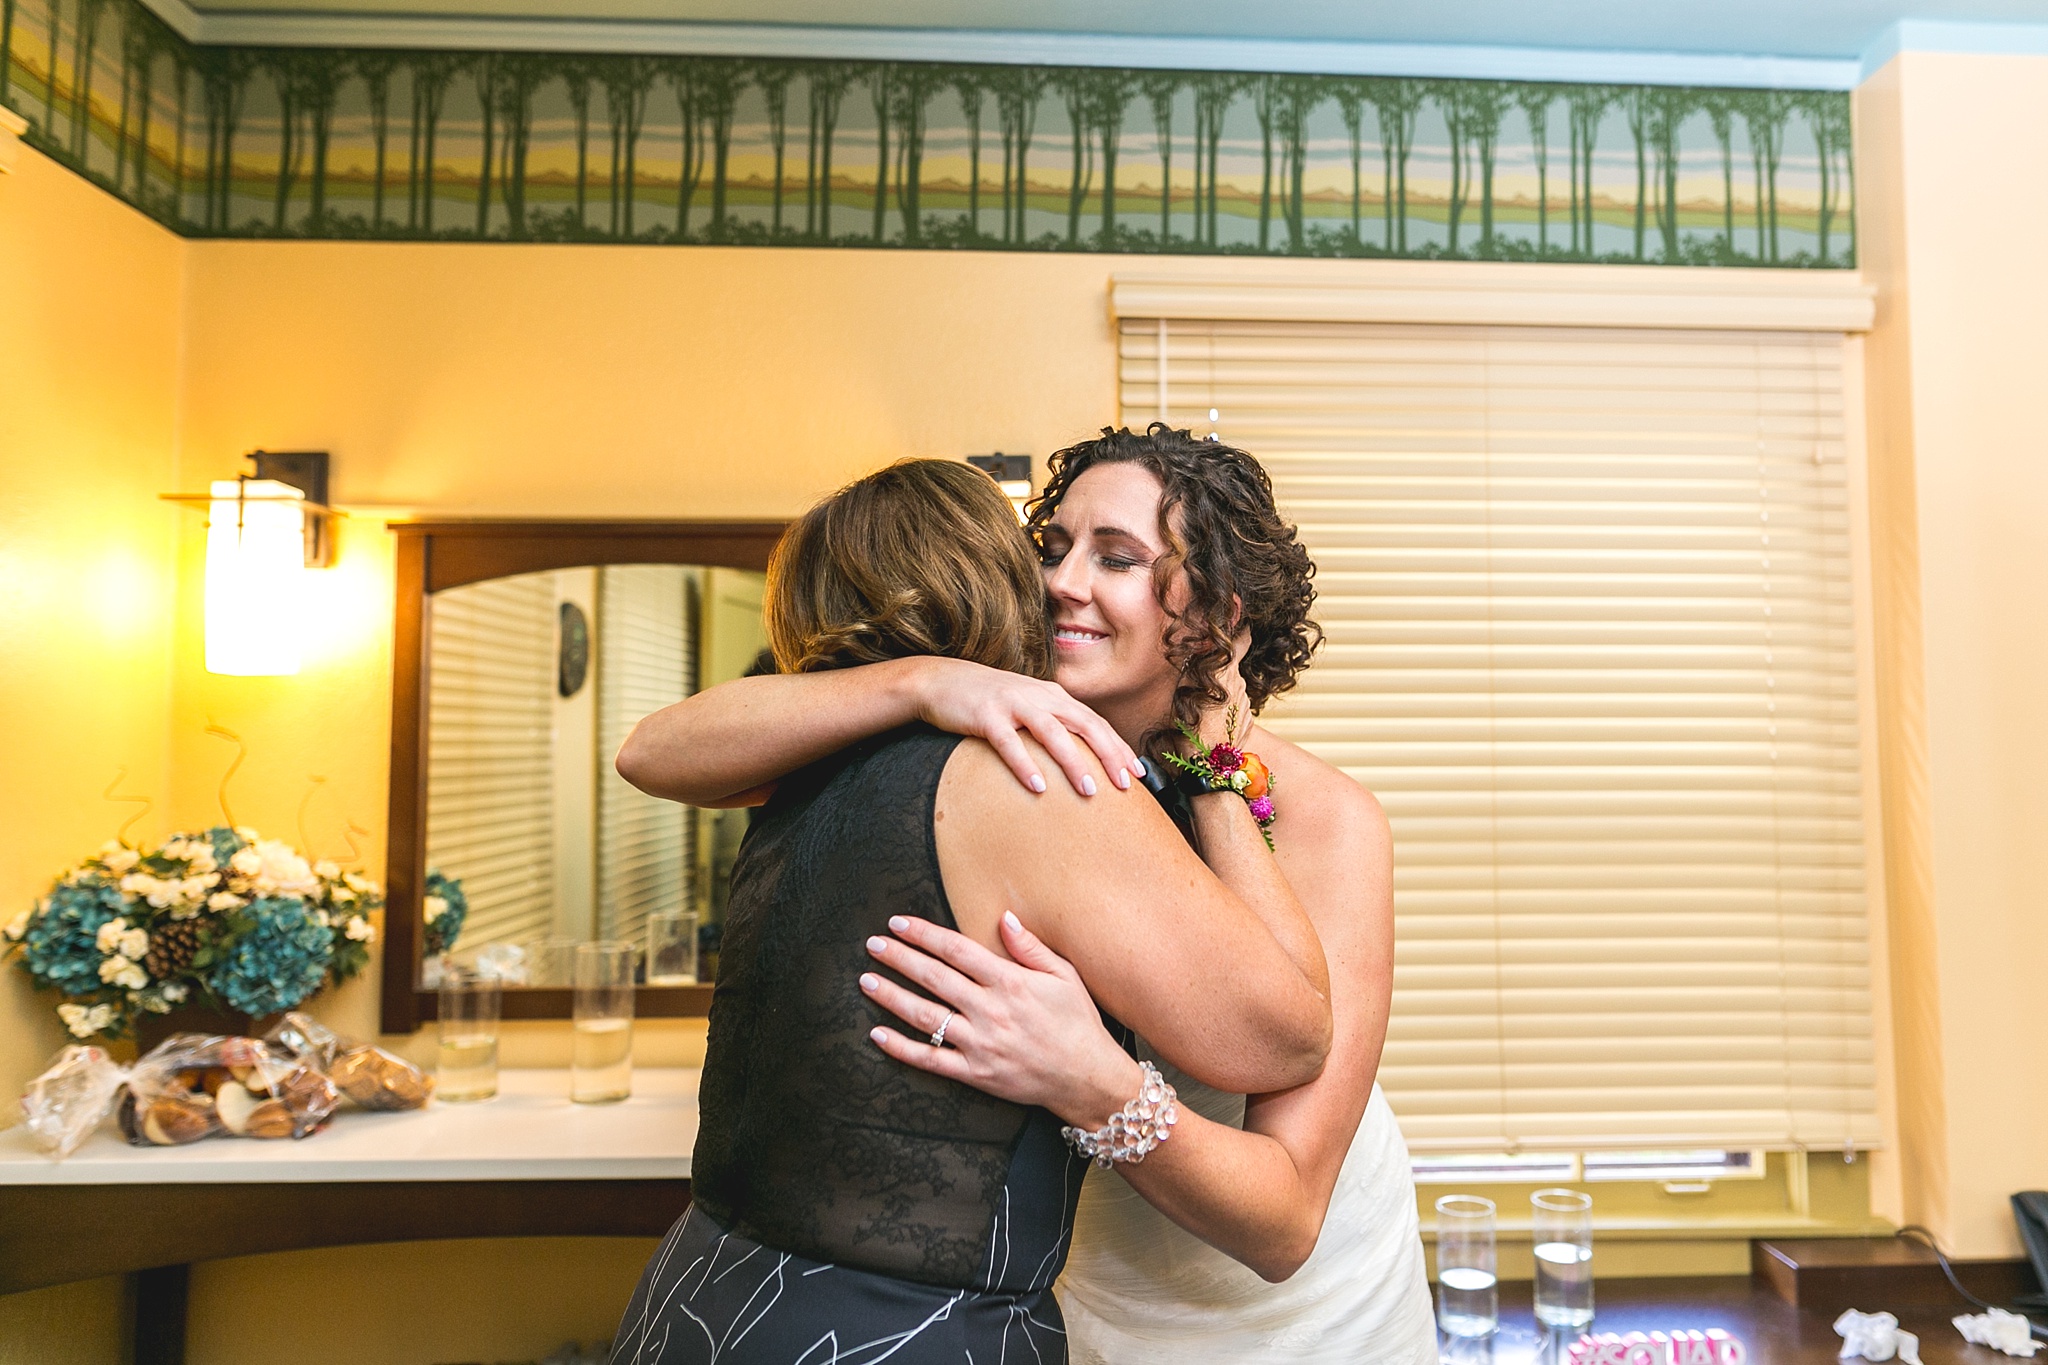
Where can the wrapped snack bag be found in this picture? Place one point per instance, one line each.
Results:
(63, 1105)
(371, 1077)
(194, 1086)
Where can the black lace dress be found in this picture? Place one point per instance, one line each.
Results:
(848, 1208)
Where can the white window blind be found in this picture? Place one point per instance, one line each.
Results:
(490, 752)
(646, 659)
(1590, 640)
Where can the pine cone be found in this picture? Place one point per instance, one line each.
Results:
(171, 949)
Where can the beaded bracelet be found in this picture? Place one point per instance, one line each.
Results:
(1133, 1131)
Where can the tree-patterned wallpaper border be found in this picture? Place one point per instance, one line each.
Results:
(221, 141)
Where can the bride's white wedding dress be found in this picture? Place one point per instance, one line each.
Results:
(1140, 1291)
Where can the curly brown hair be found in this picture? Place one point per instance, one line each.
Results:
(924, 557)
(1222, 529)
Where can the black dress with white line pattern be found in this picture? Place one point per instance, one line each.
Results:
(848, 1208)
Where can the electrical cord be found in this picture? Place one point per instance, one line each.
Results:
(1913, 1232)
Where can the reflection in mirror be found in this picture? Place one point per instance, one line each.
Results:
(533, 682)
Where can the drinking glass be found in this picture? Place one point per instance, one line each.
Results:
(672, 948)
(1563, 1222)
(550, 961)
(602, 1055)
(1468, 1297)
(468, 1065)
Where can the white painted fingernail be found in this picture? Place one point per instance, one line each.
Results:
(869, 981)
(1123, 779)
(1087, 786)
(1010, 918)
(877, 1035)
(1037, 783)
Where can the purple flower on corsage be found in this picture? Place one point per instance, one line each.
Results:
(1226, 759)
(1262, 809)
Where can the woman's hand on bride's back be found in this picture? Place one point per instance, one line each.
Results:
(966, 698)
(1026, 1030)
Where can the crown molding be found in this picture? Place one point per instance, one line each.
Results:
(269, 28)
(1511, 294)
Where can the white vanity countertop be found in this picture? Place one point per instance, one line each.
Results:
(530, 1131)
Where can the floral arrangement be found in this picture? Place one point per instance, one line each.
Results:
(245, 922)
(1229, 766)
(445, 907)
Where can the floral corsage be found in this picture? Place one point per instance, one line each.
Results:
(1229, 767)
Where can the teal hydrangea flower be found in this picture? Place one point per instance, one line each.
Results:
(279, 961)
(226, 843)
(60, 948)
(444, 927)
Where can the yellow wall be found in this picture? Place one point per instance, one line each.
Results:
(1949, 150)
(89, 351)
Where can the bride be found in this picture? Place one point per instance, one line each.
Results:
(1277, 1227)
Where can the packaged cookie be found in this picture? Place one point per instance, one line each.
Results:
(369, 1076)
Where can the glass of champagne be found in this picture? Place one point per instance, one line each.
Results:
(1468, 1296)
(1563, 1221)
(672, 948)
(468, 1064)
(602, 1060)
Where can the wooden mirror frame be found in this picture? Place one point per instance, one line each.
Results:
(432, 557)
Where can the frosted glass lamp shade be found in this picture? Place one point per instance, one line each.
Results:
(255, 576)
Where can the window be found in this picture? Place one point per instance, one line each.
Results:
(1590, 640)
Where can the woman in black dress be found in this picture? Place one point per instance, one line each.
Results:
(847, 1209)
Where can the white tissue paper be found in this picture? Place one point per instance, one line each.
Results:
(2000, 1330)
(1876, 1336)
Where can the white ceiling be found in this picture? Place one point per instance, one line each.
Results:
(1424, 37)
(1800, 28)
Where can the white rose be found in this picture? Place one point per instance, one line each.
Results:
(176, 991)
(135, 944)
(248, 862)
(356, 881)
(320, 918)
(195, 888)
(360, 930)
(202, 860)
(326, 869)
(78, 1019)
(280, 868)
(225, 900)
(120, 971)
(100, 1016)
(109, 937)
(437, 906)
(138, 884)
(17, 928)
(119, 858)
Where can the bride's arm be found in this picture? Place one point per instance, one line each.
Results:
(727, 744)
(1258, 1195)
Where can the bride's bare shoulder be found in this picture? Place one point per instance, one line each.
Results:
(1320, 804)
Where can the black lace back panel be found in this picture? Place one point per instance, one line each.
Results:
(812, 1141)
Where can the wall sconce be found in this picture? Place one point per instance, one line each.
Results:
(1012, 474)
(263, 531)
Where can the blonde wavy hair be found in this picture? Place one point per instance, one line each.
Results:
(924, 557)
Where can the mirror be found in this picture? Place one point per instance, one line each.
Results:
(534, 680)
(524, 660)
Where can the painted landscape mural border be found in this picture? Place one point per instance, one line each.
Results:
(334, 143)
